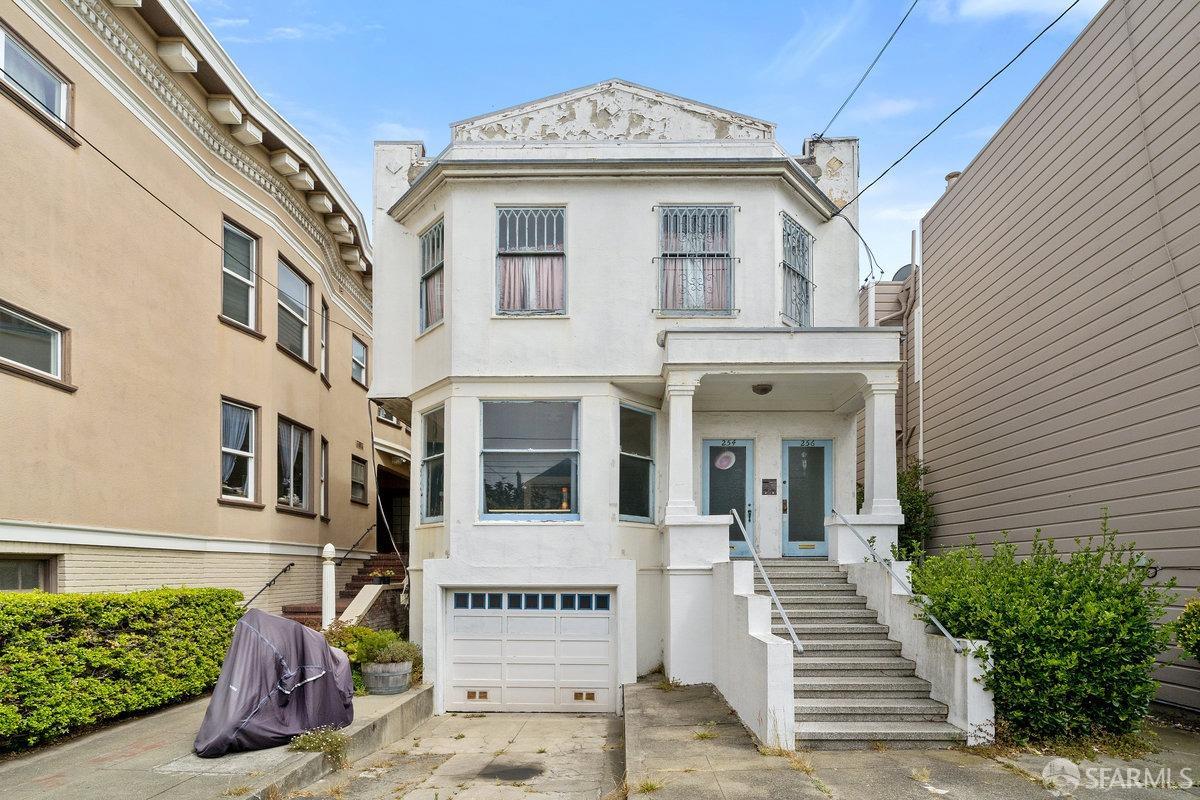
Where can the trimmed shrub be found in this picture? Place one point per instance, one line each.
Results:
(73, 660)
(1187, 629)
(1073, 638)
(917, 505)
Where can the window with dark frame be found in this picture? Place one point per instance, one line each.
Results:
(433, 465)
(358, 479)
(237, 451)
(293, 311)
(294, 443)
(530, 256)
(238, 279)
(22, 574)
(530, 458)
(324, 475)
(433, 282)
(324, 338)
(636, 482)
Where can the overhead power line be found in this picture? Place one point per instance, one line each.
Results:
(963, 104)
(161, 201)
(874, 61)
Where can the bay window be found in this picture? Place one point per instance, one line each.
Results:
(433, 465)
(358, 360)
(529, 261)
(797, 273)
(636, 490)
(237, 451)
(530, 459)
(294, 443)
(433, 280)
(293, 311)
(695, 260)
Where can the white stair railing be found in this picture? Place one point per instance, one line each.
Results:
(767, 579)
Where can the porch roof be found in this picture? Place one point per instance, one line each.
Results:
(750, 349)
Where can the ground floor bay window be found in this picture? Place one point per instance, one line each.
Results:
(530, 459)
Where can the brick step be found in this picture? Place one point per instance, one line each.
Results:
(821, 664)
(876, 709)
(862, 686)
(311, 620)
(841, 735)
(304, 609)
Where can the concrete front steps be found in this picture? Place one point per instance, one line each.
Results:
(310, 613)
(853, 688)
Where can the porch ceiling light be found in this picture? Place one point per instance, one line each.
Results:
(762, 388)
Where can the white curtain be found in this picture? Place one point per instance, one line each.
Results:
(289, 448)
(235, 423)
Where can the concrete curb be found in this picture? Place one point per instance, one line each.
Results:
(367, 734)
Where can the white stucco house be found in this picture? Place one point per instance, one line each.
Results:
(619, 315)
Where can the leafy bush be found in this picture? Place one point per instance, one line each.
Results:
(358, 642)
(917, 505)
(72, 660)
(1073, 638)
(1187, 628)
(400, 651)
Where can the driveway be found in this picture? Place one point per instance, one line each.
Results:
(493, 756)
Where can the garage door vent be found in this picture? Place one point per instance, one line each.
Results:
(475, 694)
(585, 696)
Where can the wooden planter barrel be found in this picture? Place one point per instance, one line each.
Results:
(387, 678)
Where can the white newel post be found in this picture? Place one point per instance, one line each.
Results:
(681, 498)
(328, 586)
(879, 474)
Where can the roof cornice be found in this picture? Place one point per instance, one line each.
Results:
(442, 171)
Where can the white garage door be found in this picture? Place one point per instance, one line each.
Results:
(535, 650)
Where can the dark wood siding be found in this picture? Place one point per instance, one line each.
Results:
(1062, 279)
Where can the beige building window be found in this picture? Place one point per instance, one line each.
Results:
(294, 444)
(31, 344)
(31, 78)
(358, 479)
(237, 451)
(22, 575)
(293, 311)
(325, 340)
(239, 279)
(324, 475)
(358, 360)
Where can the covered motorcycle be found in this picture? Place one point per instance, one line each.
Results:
(279, 679)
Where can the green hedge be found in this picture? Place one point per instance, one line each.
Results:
(1073, 637)
(72, 660)
(1187, 629)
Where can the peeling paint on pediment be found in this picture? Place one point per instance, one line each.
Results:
(612, 111)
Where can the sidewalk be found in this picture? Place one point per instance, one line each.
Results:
(151, 757)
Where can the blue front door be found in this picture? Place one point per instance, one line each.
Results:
(728, 483)
(807, 496)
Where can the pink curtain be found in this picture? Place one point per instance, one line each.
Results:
(435, 301)
(696, 284)
(531, 283)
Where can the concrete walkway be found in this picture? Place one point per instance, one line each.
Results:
(489, 757)
(151, 757)
(686, 744)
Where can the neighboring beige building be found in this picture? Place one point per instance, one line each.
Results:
(171, 413)
(1054, 356)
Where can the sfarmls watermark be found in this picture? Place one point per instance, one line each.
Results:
(1063, 776)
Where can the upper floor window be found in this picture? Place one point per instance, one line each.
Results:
(358, 479)
(433, 465)
(433, 280)
(294, 444)
(237, 451)
(636, 492)
(31, 343)
(238, 276)
(323, 474)
(31, 77)
(696, 259)
(358, 360)
(797, 273)
(324, 339)
(530, 458)
(529, 261)
(293, 311)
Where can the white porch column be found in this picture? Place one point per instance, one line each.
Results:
(681, 496)
(879, 473)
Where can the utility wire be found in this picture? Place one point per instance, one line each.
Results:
(850, 96)
(961, 105)
(148, 191)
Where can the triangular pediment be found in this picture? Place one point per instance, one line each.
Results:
(612, 110)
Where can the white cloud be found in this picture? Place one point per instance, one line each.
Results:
(884, 108)
(229, 22)
(808, 44)
(292, 33)
(397, 131)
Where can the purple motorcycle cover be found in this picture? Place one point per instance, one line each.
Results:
(279, 679)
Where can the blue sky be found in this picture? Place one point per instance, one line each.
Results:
(350, 72)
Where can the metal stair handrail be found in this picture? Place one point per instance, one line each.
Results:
(887, 562)
(767, 578)
(269, 584)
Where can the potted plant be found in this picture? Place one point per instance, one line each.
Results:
(382, 576)
(390, 669)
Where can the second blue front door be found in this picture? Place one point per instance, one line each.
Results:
(807, 496)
